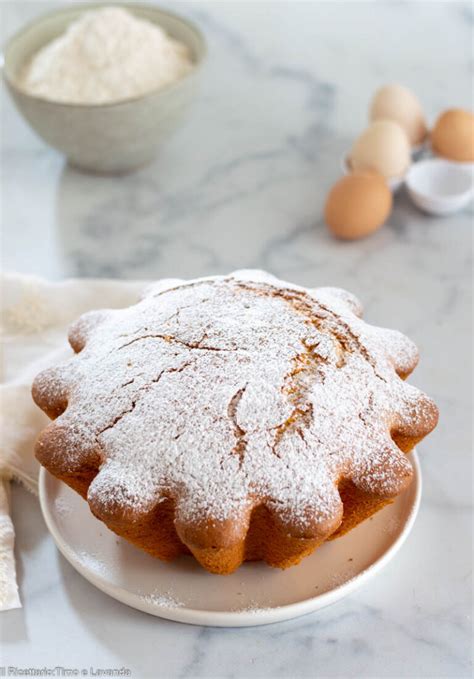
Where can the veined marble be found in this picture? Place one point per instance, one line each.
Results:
(242, 184)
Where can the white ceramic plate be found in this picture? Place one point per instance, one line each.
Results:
(254, 595)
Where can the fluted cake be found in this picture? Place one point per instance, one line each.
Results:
(235, 417)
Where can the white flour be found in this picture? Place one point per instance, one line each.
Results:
(107, 55)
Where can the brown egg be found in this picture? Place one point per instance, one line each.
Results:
(357, 205)
(395, 102)
(383, 148)
(453, 135)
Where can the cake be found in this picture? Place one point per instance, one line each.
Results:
(235, 418)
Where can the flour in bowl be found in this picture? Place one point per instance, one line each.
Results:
(107, 55)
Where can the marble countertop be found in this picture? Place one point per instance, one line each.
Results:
(242, 184)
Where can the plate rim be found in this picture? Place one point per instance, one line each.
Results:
(244, 618)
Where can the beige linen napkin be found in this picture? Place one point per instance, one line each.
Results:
(35, 315)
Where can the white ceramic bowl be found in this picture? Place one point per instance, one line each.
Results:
(440, 187)
(108, 138)
(466, 164)
(394, 183)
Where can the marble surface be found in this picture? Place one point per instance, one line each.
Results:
(242, 184)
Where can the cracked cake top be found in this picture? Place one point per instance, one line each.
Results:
(228, 392)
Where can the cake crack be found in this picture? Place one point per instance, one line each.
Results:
(145, 388)
(297, 385)
(239, 433)
(174, 340)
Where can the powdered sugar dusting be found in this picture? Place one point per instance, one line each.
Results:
(62, 507)
(93, 561)
(253, 609)
(162, 600)
(227, 392)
